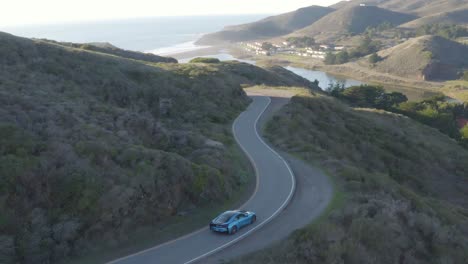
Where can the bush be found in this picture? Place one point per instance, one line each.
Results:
(205, 60)
(464, 132)
(450, 31)
(338, 58)
(465, 76)
(374, 58)
(367, 96)
(301, 42)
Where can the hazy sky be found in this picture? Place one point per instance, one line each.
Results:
(18, 12)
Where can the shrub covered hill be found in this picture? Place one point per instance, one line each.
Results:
(269, 27)
(401, 187)
(94, 145)
(352, 20)
(104, 47)
(426, 57)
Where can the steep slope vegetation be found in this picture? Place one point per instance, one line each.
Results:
(451, 17)
(268, 27)
(113, 50)
(95, 146)
(402, 187)
(426, 57)
(418, 7)
(352, 20)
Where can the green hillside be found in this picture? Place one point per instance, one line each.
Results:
(353, 20)
(401, 187)
(269, 27)
(426, 57)
(113, 50)
(94, 146)
(417, 7)
(451, 17)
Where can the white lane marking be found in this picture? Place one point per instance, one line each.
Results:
(285, 203)
(257, 182)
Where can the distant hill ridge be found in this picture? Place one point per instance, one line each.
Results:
(426, 57)
(459, 16)
(418, 7)
(354, 19)
(269, 27)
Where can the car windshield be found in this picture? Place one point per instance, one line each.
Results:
(225, 216)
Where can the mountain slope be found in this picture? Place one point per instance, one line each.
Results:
(268, 27)
(95, 147)
(453, 17)
(352, 20)
(418, 7)
(426, 57)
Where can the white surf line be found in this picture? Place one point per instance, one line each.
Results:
(205, 228)
(285, 203)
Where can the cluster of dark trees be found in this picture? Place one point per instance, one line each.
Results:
(372, 31)
(366, 46)
(438, 113)
(435, 112)
(337, 58)
(301, 42)
(367, 96)
(205, 60)
(450, 31)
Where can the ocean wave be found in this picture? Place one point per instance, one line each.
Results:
(179, 48)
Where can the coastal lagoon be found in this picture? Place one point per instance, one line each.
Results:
(325, 79)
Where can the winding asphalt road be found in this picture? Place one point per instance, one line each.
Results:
(275, 189)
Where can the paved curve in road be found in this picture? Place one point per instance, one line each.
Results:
(275, 188)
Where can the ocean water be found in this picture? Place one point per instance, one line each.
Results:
(160, 35)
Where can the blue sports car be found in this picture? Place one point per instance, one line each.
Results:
(231, 221)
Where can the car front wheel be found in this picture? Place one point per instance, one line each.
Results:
(233, 230)
(254, 218)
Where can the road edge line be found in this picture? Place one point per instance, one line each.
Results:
(257, 182)
(275, 214)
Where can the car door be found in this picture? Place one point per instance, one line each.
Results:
(243, 219)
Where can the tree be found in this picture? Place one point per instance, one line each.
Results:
(366, 46)
(330, 58)
(335, 89)
(465, 76)
(342, 57)
(204, 60)
(267, 46)
(464, 132)
(390, 100)
(301, 42)
(365, 95)
(374, 58)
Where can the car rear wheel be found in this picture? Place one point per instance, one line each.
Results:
(254, 218)
(234, 230)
